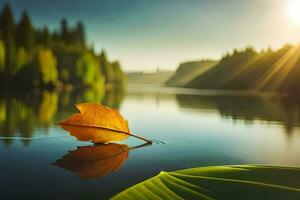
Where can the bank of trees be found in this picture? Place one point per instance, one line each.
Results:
(248, 69)
(31, 57)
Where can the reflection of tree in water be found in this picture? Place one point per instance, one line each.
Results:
(20, 116)
(67, 100)
(247, 108)
(113, 98)
(47, 108)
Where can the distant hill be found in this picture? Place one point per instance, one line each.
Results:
(188, 71)
(247, 69)
(158, 77)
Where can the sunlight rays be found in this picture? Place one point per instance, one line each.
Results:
(278, 72)
(245, 67)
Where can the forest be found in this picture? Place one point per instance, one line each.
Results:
(268, 70)
(40, 58)
(187, 71)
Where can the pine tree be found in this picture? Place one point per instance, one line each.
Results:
(46, 36)
(64, 30)
(80, 33)
(7, 22)
(42, 36)
(7, 25)
(25, 34)
(55, 36)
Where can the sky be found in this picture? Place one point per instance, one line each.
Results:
(146, 34)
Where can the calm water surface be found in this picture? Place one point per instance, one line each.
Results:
(199, 128)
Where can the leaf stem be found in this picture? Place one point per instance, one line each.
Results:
(141, 138)
(110, 129)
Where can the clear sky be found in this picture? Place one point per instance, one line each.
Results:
(145, 34)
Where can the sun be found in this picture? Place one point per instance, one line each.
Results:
(293, 11)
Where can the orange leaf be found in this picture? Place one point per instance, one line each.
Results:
(94, 161)
(96, 123)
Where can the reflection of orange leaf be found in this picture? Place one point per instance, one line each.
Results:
(94, 161)
(96, 123)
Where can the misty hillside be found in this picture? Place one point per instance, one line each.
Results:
(188, 71)
(158, 77)
(247, 69)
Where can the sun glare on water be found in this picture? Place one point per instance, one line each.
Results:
(293, 11)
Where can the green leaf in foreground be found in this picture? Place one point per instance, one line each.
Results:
(220, 182)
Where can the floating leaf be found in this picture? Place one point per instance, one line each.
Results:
(94, 161)
(98, 123)
(221, 182)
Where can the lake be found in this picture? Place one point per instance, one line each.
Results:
(191, 128)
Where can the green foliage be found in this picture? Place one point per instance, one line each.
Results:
(87, 69)
(188, 71)
(119, 76)
(47, 65)
(249, 182)
(67, 58)
(21, 59)
(106, 68)
(2, 56)
(39, 58)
